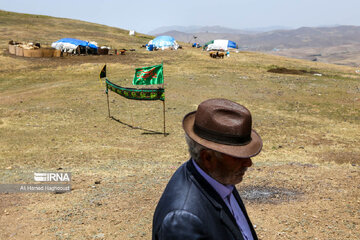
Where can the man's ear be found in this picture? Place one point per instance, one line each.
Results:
(206, 156)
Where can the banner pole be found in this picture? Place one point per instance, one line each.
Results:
(164, 117)
(107, 97)
(163, 85)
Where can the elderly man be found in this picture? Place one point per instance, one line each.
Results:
(201, 201)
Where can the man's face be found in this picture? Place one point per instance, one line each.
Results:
(226, 169)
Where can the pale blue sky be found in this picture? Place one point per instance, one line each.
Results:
(144, 16)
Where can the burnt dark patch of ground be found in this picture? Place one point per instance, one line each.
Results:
(266, 194)
(283, 70)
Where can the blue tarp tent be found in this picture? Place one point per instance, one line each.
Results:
(162, 42)
(76, 42)
(71, 44)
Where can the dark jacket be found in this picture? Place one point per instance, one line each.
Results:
(191, 209)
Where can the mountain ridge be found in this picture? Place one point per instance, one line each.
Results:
(214, 29)
(336, 44)
(296, 38)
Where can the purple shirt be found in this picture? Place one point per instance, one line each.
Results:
(225, 192)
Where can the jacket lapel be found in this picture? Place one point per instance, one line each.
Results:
(224, 213)
(230, 224)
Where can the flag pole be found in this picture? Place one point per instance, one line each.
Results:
(163, 85)
(103, 75)
(100, 81)
(164, 117)
(107, 97)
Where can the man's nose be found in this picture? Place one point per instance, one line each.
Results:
(247, 162)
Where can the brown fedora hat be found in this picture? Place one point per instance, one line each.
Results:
(223, 126)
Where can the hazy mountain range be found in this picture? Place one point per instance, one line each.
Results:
(336, 44)
(214, 29)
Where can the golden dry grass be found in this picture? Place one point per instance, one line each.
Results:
(53, 114)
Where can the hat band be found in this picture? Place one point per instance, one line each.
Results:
(222, 138)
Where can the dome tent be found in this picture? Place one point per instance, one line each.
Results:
(220, 44)
(164, 42)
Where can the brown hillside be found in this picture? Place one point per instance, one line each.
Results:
(54, 118)
(45, 29)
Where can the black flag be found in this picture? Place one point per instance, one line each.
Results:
(103, 72)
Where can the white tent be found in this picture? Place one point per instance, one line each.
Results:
(220, 44)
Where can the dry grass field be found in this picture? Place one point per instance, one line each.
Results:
(342, 55)
(53, 117)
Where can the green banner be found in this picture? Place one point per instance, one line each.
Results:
(136, 94)
(149, 75)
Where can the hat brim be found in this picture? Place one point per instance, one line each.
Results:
(251, 149)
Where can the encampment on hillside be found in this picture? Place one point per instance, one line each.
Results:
(72, 45)
(220, 44)
(163, 42)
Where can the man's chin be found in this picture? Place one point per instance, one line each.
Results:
(237, 180)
